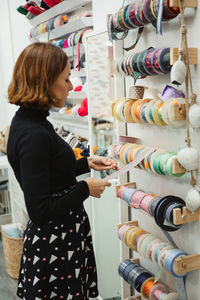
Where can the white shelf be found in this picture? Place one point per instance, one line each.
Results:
(65, 29)
(61, 8)
(73, 51)
(76, 97)
(77, 125)
(80, 73)
(71, 119)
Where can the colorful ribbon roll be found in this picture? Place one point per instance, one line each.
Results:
(149, 62)
(137, 15)
(157, 161)
(147, 111)
(151, 247)
(144, 282)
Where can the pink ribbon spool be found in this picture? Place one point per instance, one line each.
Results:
(65, 44)
(121, 231)
(121, 191)
(116, 151)
(137, 198)
(144, 205)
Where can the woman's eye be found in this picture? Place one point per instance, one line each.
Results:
(67, 80)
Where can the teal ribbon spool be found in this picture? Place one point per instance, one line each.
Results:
(156, 165)
(164, 159)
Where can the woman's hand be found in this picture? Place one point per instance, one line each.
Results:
(100, 163)
(96, 186)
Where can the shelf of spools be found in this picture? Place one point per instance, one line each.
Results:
(180, 215)
(64, 29)
(65, 6)
(73, 51)
(182, 264)
(131, 61)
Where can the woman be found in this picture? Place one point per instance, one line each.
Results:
(58, 259)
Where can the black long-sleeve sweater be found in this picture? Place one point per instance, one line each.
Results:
(44, 164)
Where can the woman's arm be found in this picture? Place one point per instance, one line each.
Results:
(35, 160)
(82, 166)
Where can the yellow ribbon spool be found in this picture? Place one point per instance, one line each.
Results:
(131, 154)
(127, 111)
(123, 151)
(126, 234)
(156, 118)
(133, 110)
(147, 109)
(134, 235)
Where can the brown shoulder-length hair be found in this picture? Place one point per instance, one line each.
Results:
(35, 71)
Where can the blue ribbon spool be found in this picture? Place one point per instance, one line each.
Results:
(169, 212)
(132, 276)
(123, 265)
(141, 279)
(169, 261)
(128, 195)
(127, 271)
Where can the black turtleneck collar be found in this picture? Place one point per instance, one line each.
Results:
(32, 112)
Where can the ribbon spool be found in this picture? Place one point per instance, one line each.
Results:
(154, 112)
(141, 64)
(141, 280)
(169, 261)
(160, 210)
(75, 38)
(138, 14)
(170, 92)
(157, 161)
(136, 92)
(147, 286)
(157, 287)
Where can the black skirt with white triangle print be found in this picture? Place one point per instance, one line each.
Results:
(58, 260)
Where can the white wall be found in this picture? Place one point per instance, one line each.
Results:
(101, 9)
(13, 39)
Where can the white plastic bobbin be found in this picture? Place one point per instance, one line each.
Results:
(158, 286)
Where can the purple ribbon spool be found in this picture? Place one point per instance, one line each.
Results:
(171, 92)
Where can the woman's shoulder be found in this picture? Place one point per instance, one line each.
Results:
(23, 131)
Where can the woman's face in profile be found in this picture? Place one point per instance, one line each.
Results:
(62, 85)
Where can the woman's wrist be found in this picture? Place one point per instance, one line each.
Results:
(89, 159)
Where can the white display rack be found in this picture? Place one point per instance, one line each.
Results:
(76, 97)
(65, 29)
(64, 7)
(77, 125)
(73, 51)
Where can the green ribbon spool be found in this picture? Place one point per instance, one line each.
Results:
(156, 164)
(125, 18)
(134, 63)
(164, 159)
(141, 62)
(168, 167)
(151, 16)
(166, 61)
(160, 113)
